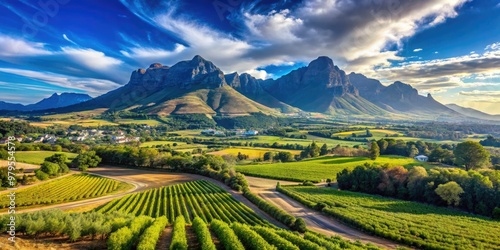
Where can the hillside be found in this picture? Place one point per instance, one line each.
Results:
(470, 112)
(399, 97)
(321, 87)
(193, 86)
(54, 101)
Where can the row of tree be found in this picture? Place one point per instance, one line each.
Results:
(473, 191)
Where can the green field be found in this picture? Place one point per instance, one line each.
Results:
(412, 223)
(320, 168)
(377, 133)
(37, 157)
(252, 153)
(180, 145)
(66, 189)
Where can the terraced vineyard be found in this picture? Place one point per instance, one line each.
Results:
(411, 223)
(191, 199)
(70, 188)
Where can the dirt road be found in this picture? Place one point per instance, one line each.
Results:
(315, 221)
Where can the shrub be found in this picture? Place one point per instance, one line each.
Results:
(150, 236)
(203, 234)
(271, 237)
(250, 239)
(496, 213)
(226, 235)
(120, 239)
(179, 239)
(300, 225)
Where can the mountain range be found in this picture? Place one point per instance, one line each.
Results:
(198, 86)
(52, 102)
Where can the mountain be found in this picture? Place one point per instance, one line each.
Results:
(398, 97)
(473, 113)
(252, 88)
(54, 101)
(192, 86)
(320, 87)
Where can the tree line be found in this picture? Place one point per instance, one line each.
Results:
(473, 191)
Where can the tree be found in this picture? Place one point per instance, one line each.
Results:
(450, 192)
(323, 150)
(374, 151)
(268, 156)
(59, 159)
(471, 155)
(86, 160)
(412, 151)
(382, 144)
(314, 151)
(49, 168)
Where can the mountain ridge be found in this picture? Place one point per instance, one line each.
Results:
(54, 101)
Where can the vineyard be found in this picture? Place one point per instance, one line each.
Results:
(420, 225)
(70, 188)
(191, 199)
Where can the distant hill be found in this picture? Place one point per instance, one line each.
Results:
(321, 87)
(399, 97)
(54, 101)
(473, 112)
(195, 86)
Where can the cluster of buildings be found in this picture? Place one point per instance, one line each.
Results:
(237, 132)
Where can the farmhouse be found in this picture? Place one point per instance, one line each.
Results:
(422, 158)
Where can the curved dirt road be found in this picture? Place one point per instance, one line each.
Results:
(315, 221)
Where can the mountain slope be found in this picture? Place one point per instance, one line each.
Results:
(251, 87)
(321, 87)
(54, 101)
(188, 87)
(470, 112)
(398, 97)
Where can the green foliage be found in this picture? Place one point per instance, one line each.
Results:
(197, 198)
(119, 240)
(203, 234)
(450, 192)
(471, 155)
(86, 160)
(270, 236)
(226, 235)
(374, 151)
(250, 239)
(41, 175)
(299, 241)
(70, 188)
(410, 223)
(300, 225)
(179, 239)
(496, 213)
(49, 168)
(152, 234)
(323, 150)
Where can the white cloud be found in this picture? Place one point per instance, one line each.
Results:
(10, 46)
(69, 40)
(91, 58)
(90, 85)
(417, 50)
(493, 46)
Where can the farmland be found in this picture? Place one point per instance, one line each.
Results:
(189, 199)
(37, 157)
(66, 189)
(320, 168)
(252, 153)
(412, 223)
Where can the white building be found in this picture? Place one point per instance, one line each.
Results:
(422, 158)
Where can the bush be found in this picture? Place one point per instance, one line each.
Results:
(152, 234)
(41, 175)
(203, 234)
(179, 239)
(298, 241)
(300, 225)
(120, 239)
(250, 239)
(271, 237)
(226, 235)
(496, 213)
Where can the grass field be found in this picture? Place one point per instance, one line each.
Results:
(252, 153)
(377, 133)
(66, 189)
(320, 168)
(37, 157)
(149, 122)
(420, 225)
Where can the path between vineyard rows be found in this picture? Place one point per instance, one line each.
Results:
(315, 221)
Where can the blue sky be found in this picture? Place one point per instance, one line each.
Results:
(450, 48)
